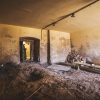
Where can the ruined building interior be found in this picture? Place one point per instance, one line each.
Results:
(49, 49)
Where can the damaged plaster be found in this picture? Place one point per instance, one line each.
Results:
(87, 43)
(9, 38)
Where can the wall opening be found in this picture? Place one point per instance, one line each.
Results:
(29, 49)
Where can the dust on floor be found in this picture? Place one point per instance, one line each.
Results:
(29, 81)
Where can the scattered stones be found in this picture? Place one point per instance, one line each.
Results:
(29, 80)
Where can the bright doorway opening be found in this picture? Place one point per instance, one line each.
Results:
(29, 49)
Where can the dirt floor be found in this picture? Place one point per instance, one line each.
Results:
(29, 81)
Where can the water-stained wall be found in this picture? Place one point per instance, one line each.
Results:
(9, 43)
(60, 45)
(87, 43)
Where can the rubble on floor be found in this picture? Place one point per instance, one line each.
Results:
(59, 68)
(29, 81)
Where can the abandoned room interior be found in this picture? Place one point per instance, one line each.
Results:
(49, 49)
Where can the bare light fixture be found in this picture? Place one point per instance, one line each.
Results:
(53, 24)
(73, 15)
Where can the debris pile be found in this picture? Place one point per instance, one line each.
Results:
(29, 81)
(73, 56)
(76, 61)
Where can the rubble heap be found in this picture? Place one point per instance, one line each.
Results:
(29, 81)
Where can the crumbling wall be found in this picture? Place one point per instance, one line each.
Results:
(87, 43)
(60, 45)
(9, 42)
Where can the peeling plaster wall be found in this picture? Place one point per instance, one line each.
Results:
(88, 43)
(9, 42)
(60, 45)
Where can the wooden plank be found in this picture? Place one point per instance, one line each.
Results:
(83, 66)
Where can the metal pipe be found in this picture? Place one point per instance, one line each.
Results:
(70, 14)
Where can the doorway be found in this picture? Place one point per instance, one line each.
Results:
(29, 49)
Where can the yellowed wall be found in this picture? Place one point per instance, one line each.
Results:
(88, 42)
(9, 43)
(60, 45)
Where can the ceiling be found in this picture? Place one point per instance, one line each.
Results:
(39, 13)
